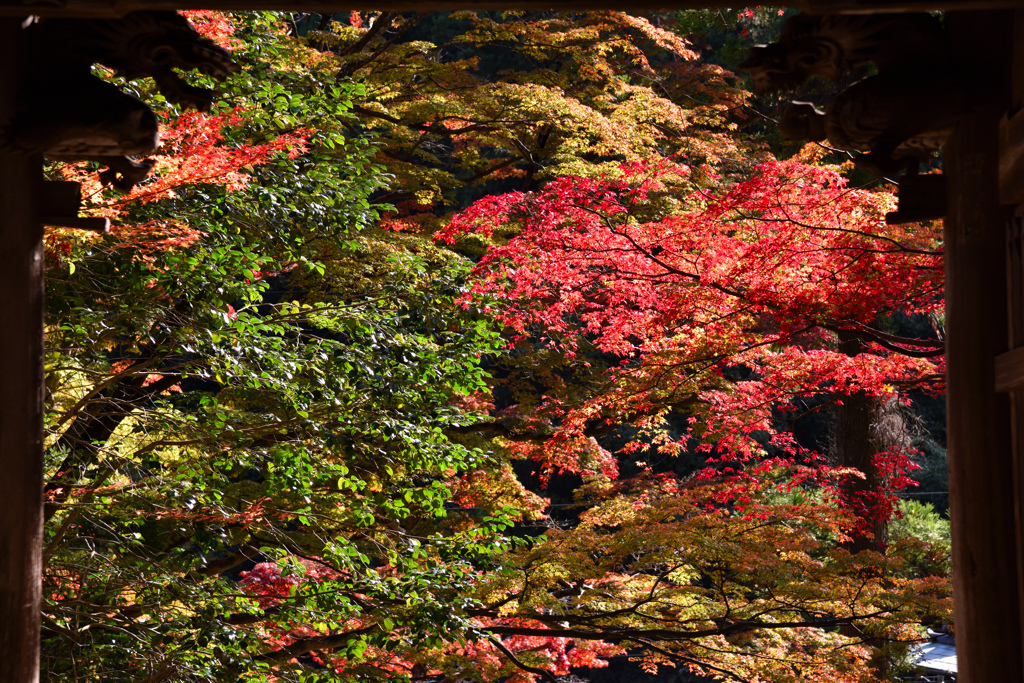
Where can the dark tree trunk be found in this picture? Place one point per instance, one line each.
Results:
(856, 443)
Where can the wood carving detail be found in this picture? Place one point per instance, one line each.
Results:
(69, 114)
(898, 117)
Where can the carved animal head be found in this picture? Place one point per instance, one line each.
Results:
(111, 127)
(832, 46)
(138, 45)
(101, 120)
(768, 69)
(780, 66)
(70, 115)
(154, 43)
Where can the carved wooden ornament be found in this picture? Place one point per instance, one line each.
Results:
(896, 118)
(68, 114)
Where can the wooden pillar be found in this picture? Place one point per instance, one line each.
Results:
(982, 508)
(21, 389)
(1010, 366)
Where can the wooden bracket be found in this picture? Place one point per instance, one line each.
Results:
(59, 202)
(1009, 370)
(921, 198)
(1011, 159)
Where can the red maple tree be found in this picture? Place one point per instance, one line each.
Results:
(724, 304)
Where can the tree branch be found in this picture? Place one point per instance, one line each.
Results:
(669, 635)
(525, 667)
(301, 647)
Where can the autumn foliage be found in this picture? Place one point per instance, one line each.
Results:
(730, 308)
(309, 401)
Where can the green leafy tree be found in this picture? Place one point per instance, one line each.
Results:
(245, 371)
(283, 439)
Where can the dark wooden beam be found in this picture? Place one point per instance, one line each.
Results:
(1011, 158)
(21, 389)
(901, 6)
(981, 482)
(59, 203)
(921, 198)
(115, 8)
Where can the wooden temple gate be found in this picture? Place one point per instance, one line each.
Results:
(984, 242)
